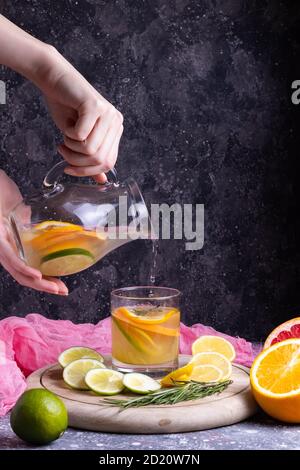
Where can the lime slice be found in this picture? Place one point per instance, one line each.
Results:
(64, 262)
(140, 383)
(75, 372)
(104, 381)
(131, 340)
(78, 352)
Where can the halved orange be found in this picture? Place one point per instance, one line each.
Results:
(275, 380)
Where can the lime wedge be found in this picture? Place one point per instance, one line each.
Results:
(131, 340)
(78, 352)
(140, 383)
(64, 262)
(75, 372)
(104, 381)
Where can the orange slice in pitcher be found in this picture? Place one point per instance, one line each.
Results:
(57, 225)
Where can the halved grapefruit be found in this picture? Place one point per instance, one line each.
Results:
(287, 330)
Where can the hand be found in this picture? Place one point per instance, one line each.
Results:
(23, 274)
(92, 127)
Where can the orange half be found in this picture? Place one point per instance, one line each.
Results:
(275, 380)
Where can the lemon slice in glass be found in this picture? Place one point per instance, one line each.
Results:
(64, 262)
(78, 352)
(104, 381)
(76, 371)
(140, 383)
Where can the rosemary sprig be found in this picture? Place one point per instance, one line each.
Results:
(184, 391)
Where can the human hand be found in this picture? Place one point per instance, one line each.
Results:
(25, 275)
(92, 127)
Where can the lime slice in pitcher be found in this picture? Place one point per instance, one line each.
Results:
(64, 262)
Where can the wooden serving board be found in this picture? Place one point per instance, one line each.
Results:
(88, 411)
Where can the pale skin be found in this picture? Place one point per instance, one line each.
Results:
(91, 128)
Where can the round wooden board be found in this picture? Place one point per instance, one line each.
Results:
(88, 411)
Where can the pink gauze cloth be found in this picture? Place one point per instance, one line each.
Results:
(27, 344)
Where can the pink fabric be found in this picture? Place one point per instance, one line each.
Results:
(26, 344)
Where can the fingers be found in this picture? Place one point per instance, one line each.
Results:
(101, 179)
(62, 288)
(113, 154)
(9, 257)
(96, 137)
(88, 114)
(27, 276)
(94, 155)
(53, 286)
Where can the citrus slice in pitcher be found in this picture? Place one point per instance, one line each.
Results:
(57, 225)
(64, 262)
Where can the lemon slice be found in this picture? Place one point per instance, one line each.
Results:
(214, 344)
(64, 262)
(78, 352)
(140, 383)
(213, 359)
(104, 381)
(181, 374)
(75, 372)
(206, 374)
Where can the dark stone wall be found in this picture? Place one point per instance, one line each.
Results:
(205, 90)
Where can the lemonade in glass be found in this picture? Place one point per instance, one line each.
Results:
(145, 329)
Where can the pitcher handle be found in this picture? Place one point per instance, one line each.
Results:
(53, 176)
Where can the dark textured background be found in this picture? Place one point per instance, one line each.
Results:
(205, 90)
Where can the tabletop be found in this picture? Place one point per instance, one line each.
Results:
(259, 432)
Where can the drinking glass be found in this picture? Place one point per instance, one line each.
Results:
(145, 329)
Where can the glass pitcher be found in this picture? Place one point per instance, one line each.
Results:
(67, 228)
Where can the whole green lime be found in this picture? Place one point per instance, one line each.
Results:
(39, 417)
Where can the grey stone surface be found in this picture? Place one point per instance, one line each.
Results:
(205, 90)
(259, 433)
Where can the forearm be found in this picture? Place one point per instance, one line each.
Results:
(20, 51)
